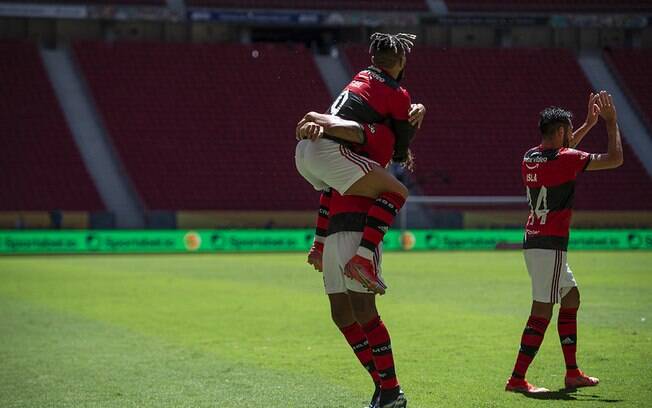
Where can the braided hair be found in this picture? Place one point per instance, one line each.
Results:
(387, 49)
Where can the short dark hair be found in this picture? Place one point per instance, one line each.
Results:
(387, 49)
(552, 118)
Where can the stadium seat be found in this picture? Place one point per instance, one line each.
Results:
(482, 116)
(403, 5)
(40, 166)
(633, 67)
(207, 126)
(549, 5)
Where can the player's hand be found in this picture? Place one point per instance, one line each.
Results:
(607, 107)
(416, 113)
(593, 111)
(308, 117)
(315, 257)
(310, 130)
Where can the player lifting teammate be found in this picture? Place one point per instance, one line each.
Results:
(353, 307)
(549, 171)
(373, 96)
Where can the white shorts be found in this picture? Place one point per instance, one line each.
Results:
(325, 163)
(551, 277)
(339, 248)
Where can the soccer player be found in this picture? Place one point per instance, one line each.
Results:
(373, 96)
(353, 307)
(549, 171)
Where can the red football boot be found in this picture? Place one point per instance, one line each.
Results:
(520, 385)
(581, 380)
(364, 271)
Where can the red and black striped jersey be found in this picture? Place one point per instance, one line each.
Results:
(549, 178)
(349, 213)
(373, 96)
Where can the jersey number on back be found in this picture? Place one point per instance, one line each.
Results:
(540, 209)
(337, 105)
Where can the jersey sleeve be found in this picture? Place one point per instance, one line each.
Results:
(577, 160)
(403, 130)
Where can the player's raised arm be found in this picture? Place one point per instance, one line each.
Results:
(592, 114)
(614, 156)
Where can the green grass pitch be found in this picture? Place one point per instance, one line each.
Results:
(255, 331)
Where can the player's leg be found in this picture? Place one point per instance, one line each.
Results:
(302, 162)
(341, 311)
(567, 329)
(391, 195)
(543, 267)
(364, 309)
(365, 312)
(338, 167)
(321, 231)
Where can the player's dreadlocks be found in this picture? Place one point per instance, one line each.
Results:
(387, 49)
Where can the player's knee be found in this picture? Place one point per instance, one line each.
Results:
(571, 298)
(541, 309)
(342, 317)
(364, 308)
(402, 190)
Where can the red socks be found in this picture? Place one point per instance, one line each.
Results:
(358, 342)
(381, 348)
(379, 218)
(567, 328)
(322, 218)
(530, 343)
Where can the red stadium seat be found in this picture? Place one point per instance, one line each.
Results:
(207, 126)
(482, 116)
(40, 166)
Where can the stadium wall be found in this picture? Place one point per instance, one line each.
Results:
(216, 241)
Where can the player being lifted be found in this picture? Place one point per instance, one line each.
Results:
(549, 171)
(373, 96)
(353, 307)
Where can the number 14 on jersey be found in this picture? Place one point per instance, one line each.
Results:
(540, 208)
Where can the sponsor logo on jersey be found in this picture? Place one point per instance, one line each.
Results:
(376, 76)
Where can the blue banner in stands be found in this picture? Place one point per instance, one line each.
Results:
(256, 17)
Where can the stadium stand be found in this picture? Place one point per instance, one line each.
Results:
(207, 126)
(40, 167)
(97, 2)
(550, 5)
(633, 67)
(482, 116)
(403, 5)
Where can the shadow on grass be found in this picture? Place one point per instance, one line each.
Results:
(565, 394)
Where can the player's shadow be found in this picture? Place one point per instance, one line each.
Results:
(565, 394)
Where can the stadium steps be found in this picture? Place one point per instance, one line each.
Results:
(633, 128)
(333, 71)
(90, 137)
(437, 6)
